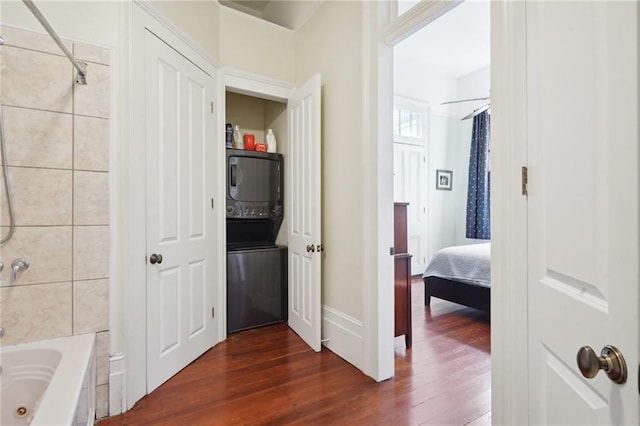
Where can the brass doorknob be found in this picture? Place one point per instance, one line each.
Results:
(155, 258)
(610, 360)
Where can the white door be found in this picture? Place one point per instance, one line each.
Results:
(303, 189)
(409, 184)
(180, 138)
(582, 124)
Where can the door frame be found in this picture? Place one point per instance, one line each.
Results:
(509, 340)
(425, 108)
(249, 84)
(134, 354)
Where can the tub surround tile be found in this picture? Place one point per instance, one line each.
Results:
(90, 306)
(91, 143)
(102, 358)
(94, 99)
(36, 312)
(102, 401)
(40, 196)
(90, 53)
(48, 250)
(91, 198)
(58, 150)
(38, 138)
(31, 40)
(90, 252)
(36, 80)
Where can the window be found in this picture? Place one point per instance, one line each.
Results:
(408, 124)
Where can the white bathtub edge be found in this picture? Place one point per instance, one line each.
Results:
(66, 384)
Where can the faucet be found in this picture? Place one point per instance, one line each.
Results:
(18, 265)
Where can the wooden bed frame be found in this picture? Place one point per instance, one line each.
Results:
(474, 296)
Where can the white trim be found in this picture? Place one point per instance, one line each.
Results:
(377, 166)
(342, 334)
(117, 372)
(246, 83)
(509, 333)
(416, 18)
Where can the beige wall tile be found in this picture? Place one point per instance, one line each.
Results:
(90, 306)
(90, 252)
(40, 196)
(30, 40)
(90, 53)
(102, 358)
(102, 401)
(38, 138)
(91, 143)
(35, 312)
(36, 80)
(91, 198)
(48, 250)
(94, 99)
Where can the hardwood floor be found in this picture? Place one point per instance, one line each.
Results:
(269, 376)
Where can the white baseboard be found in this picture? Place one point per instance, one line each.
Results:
(117, 400)
(342, 335)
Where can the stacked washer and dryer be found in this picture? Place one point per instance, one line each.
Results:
(256, 265)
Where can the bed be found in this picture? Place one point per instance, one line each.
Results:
(460, 274)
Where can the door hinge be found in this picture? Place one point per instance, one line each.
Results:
(211, 107)
(525, 181)
(213, 312)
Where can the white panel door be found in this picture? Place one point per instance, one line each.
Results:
(409, 185)
(303, 189)
(180, 133)
(582, 124)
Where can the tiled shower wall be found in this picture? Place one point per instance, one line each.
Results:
(57, 135)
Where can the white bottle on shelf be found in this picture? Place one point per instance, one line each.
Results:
(271, 141)
(238, 143)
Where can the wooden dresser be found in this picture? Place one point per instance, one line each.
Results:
(402, 273)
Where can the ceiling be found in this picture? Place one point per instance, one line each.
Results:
(252, 7)
(455, 44)
(290, 14)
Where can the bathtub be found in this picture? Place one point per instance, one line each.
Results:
(49, 382)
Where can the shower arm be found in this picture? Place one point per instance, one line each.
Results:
(80, 66)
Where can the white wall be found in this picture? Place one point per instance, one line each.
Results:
(251, 44)
(199, 20)
(96, 22)
(330, 44)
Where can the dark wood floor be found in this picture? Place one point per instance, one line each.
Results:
(269, 376)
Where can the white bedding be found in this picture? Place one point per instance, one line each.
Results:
(470, 263)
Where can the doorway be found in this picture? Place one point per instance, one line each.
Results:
(441, 82)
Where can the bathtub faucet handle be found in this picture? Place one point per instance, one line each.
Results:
(18, 265)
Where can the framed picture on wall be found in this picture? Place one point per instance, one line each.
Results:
(444, 180)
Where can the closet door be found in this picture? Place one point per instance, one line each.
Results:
(583, 235)
(181, 242)
(409, 183)
(303, 188)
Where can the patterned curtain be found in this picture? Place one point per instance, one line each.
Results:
(478, 212)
